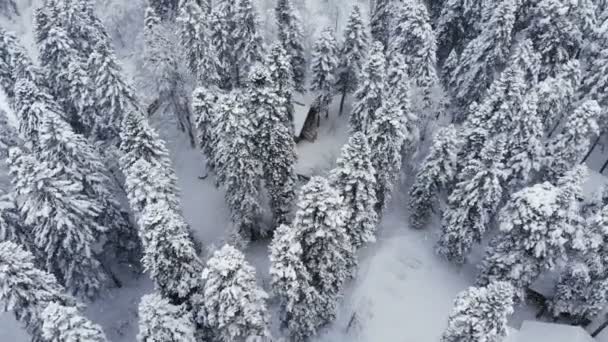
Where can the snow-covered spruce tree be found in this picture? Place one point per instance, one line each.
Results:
(203, 102)
(473, 203)
(222, 24)
(386, 138)
(162, 321)
(554, 34)
(274, 140)
(327, 252)
(483, 56)
(291, 37)
(324, 65)
(539, 225)
(63, 218)
(480, 314)
(566, 149)
(370, 92)
(238, 170)
(300, 303)
(193, 31)
(278, 63)
(31, 104)
(458, 23)
(166, 9)
(248, 41)
(595, 80)
(380, 21)
(234, 308)
(557, 94)
(27, 290)
(435, 174)
(413, 37)
(354, 179)
(14, 63)
(352, 55)
(64, 323)
(169, 254)
(12, 227)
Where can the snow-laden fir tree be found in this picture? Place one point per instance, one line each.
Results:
(203, 102)
(222, 24)
(234, 308)
(14, 63)
(595, 80)
(554, 34)
(301, 304)
(434, 176)
(249, 44)
(278, 63)
(387, 135)
(31, 104)
(327, 252)
(238, 170)
(556, 95)
(480, 314)
(324, 64)
(352, 55)
(473, 202)
(292, 39)
(354, 179)
(64, 323)
(566, 150)
(274, 140)
(64, 220)
(369, 95)
(539, 225)
(458, 23)
(27, 290)
(412, 37)
(162, 321)
(483, 56)
(166, 9)
(12, 227)
(380, 21)
(193, 30)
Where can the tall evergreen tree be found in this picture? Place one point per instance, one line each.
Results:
(473, 203)
(161, 321)
(324, 65)
(223, 26)
(14, 64)
(481, 314)
(249, 45)
(557, 94)
(352, 55)
(27, 290)
(386, 138)
(203, 101)
(235, 306)
(381, 16)
(458, 23)
(369, 95)
(193, 32)
(291, 37)
(278, 63)
(434, 176)
(64, 323)
(12, 227)
(354, 179)
(275, 144)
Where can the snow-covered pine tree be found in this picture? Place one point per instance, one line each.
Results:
(248, 41)
(381, 16)
(169, 254)
(352, 55)
(554, 34)
(324, 65)
(291, 37)
(300, 303)
(203, 102)
(481, 314)
(567, 149)
(15, 63)
(234, 308)
(64, 219)
(238, 170)
(435, 174)
(275, 144)
(166, 9)
(557, 94)
(162, 321)
(327, 252)
(458, 23)
(278, 63)
(474, 201)
(387, 135)
(540, 225)
(27, 290)
(64, 323)
(595, 80)
(193, 31)
(12, 227)
(354, 179)
(370, 92)
(222, 24)
(483, 56)
(413, 37)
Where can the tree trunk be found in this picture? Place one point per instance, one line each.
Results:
(342, 103)
(597, 140)
(115, 279)
(604, 167)
(554, 128)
